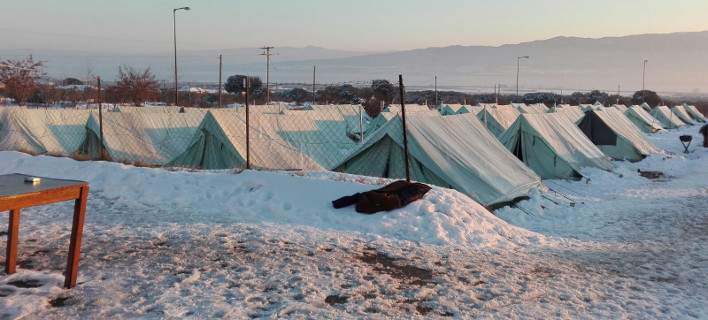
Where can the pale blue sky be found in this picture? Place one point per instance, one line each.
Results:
(366, 25)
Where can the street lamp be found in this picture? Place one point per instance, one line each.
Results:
(174, 29)
(644, 73)
(518, 68)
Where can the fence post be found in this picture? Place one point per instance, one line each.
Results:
(100, 118)
(405, 129)
(246, 86)
(361, 124)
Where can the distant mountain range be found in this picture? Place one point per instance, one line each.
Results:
(678, 62)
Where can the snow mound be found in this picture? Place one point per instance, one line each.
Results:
(159, 196)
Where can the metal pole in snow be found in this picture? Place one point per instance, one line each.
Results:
(405, 134)
(100, 116)
(246, 85)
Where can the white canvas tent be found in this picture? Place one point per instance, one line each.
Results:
(668, 119)
(697, 115)
(498, 118)
(681, 113)
(622, 108)
(553, 146)
(573, 113)
(615, 135)
(144, 138)
(453, 151)
(643, 120)
(532, 108)
(56, 132)
(220, 143)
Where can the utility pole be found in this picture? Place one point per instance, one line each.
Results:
(221, 65)
(644, 74)
(174, 34)
(314, 74)
(518, 69)
(267, 54)
(496, 95)
(436, 92)
(619, 87)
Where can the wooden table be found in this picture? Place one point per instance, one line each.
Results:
(16, 194)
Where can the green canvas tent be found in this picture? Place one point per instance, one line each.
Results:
(144, 138)
(643, 120)
(452, 109)
(498, 118)
(615, 135)
(454, 151)
(681, 113)
(695, 114)
(668, 119)
(553, 146)
(220, 143)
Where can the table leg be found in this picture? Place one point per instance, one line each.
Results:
(13, 231)
(72, 264)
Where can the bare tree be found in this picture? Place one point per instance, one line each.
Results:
(20, 77)
(136, 86)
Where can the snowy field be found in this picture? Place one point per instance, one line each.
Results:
(179, 244)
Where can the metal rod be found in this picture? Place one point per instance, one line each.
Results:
(405, 134)
(100, 116)
(247, 85)
(436, 92)
(221, 65)
(174, 35)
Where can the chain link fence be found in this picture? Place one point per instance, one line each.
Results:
(263, 137)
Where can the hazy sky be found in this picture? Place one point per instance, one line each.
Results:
(366, 25)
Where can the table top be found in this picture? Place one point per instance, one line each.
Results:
(15, 185)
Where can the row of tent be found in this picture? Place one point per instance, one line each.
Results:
(495, 154)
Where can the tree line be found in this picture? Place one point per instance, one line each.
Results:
(20, 81)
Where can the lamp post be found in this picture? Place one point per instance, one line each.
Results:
(174, 34)
(518, 69)
(644, 74)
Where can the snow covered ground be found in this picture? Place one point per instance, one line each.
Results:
(181, 244)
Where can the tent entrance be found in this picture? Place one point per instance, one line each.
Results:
(597, 130)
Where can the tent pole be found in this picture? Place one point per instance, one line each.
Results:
(405, 134)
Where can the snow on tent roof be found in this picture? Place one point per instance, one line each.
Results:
(697, 115)
(668, 119)
(622, 108)
(498, 118)
(573, 113)
(680, 112)
(643, 120)
(532, 108)
(396, 108)
(615, 135)
(220, 143)
(553, 146)
(148, 138)
(453, 151)
(56, 132)
(325, 137)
